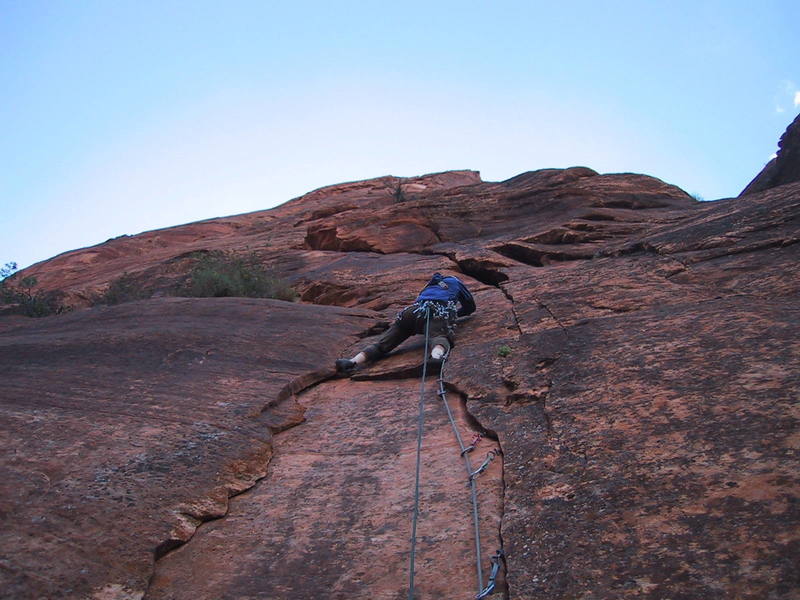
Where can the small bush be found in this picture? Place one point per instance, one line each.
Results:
(219, 275)
(124, 289)
(22, 297)
(504, 351)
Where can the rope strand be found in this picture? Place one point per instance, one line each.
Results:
(420, 426)
(473, 486)
(471, 477)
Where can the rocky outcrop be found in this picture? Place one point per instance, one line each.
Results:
(785, 167)
(643, 405)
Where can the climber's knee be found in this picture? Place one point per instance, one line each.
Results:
(441, 340)
(373, 352)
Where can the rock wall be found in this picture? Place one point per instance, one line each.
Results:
(645, 409)
(785, 167)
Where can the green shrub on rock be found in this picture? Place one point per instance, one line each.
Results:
(217, 274)
(124, 289)
(21, 297)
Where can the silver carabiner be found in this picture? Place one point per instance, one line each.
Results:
(489, 589)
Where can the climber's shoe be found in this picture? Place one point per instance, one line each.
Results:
(345, 366)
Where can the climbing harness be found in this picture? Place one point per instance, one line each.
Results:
(438, 310)
(435, 308)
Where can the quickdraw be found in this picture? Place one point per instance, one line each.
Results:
(478, 437)
(489, 458)
(489, 589)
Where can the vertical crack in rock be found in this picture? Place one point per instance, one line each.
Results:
(488, 274)
(279, 414)
(505, 590)
(479, 427)
(491, 275)
(471, 419)
(514, 314)
(554, 317)
(390, 397)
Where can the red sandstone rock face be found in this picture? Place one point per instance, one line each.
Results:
(646, 413)
(124, 428)
(785, 167)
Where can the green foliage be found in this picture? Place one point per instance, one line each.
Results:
(23, 298)
(28, 283)
(504, 351)
(124, 289)
(217, 274)
(214, 274)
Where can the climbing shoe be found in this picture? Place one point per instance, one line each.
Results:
(345, 365)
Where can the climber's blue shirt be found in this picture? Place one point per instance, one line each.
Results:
(448, 289)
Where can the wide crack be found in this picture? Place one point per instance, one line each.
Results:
(207, 509)
(189, 518)
(288, 399)
(476, 425)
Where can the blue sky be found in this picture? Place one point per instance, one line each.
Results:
(120, 117)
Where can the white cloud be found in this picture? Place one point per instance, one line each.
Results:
(788, 94)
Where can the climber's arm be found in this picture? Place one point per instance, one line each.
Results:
(466, 300)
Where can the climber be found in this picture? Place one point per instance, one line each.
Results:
(440, 297)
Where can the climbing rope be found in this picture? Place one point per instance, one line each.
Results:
(420, 425)
(472, 475)
(471, 478)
